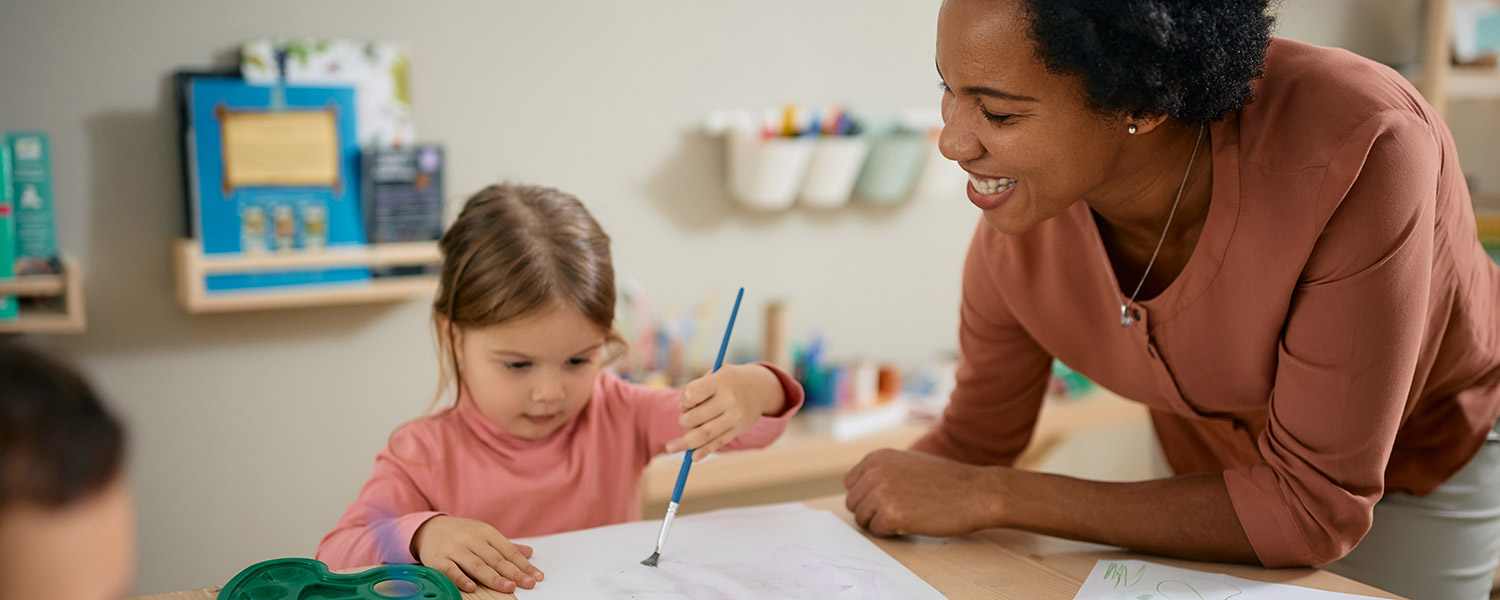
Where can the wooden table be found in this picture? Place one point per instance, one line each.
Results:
(803, 456)
(1007, 563)
(1000, 563)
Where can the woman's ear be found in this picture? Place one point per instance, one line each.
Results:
(1141, 126)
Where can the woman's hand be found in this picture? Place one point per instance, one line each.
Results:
(467, 550)
(720, 406)
(905, 492)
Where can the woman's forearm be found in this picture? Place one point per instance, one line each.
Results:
(1189, 516)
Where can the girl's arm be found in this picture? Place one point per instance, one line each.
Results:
(740, 407)
(768, 394)
(377, 527)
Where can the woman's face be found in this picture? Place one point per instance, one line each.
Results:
(1025, 136)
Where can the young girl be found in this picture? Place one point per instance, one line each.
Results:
(540, 439)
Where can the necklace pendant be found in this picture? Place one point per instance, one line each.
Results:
(1125, 318)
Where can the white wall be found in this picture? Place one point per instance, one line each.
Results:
(1390, 31)
(250, 432)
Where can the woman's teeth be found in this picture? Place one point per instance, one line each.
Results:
(991, 186)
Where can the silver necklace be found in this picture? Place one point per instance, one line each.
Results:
(1126, 319)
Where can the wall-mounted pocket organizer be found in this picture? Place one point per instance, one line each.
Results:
(940, 177)
(821, 160)
(832, 171)
(896, 160)
(765, 172)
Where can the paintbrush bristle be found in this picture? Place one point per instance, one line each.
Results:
(651, 562)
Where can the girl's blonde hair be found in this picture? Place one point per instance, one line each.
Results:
(515, 249)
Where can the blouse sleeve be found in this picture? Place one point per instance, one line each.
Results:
(1348, 351)
(1002, 373)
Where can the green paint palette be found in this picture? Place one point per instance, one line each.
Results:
(307, 579)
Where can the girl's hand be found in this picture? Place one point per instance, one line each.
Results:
(720, 406)
(467, 550)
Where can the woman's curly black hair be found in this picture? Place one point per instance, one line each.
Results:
(1191, 60)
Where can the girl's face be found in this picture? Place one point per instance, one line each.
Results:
(533, 374)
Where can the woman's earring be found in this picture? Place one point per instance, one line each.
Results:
(1131, 129)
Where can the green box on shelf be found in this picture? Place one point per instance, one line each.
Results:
(9, 310)
(31, 195)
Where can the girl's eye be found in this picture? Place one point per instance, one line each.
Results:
(574, 362)
(518, 365)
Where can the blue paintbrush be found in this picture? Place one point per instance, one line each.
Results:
(687, 461)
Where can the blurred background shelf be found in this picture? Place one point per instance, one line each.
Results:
(193, 267)
(1474, 83)
(809, 463)
(68, 286)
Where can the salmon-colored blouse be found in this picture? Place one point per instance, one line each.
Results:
(1334, 335)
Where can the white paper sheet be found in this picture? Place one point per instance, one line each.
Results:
(1140, 580)
(778, 551)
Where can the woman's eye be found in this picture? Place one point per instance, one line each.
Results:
(998, 119)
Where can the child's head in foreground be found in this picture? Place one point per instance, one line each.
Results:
(67, 526)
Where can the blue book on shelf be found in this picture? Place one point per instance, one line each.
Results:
(272, 170)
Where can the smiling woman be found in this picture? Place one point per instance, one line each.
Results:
(1268, 243)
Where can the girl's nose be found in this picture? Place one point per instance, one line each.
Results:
(550, 390)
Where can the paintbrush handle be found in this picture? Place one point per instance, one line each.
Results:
(687, 459)
(724, 345)
(687, 463)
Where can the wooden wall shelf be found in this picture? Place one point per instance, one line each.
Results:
(193, 267)
(68, 286)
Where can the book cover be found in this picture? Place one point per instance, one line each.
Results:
(9, 310)
(181, 83)
(273, 169)
(31, 197)
(380, 72)
(403, 193)
(403, 199)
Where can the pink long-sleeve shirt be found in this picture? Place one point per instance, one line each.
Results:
(459, 463)
(1334, 336)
